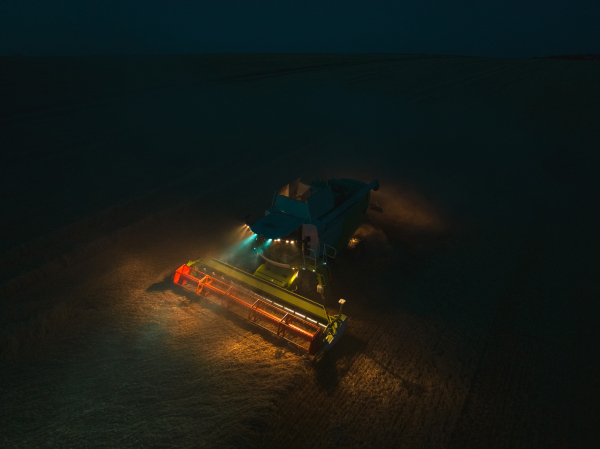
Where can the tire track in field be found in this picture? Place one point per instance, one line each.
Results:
(390, 72)
(369, 74)
(459, 81)
(502, 363)
(329, 68)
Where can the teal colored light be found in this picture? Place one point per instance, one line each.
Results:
(247, 240)
(264, 245)
(236, 248)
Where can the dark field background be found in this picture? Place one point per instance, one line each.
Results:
(473, 307)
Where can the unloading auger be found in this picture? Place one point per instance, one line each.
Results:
(306, 225)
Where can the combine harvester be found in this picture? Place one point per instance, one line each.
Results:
(306, 225)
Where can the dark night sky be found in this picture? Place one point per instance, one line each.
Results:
(511, 28)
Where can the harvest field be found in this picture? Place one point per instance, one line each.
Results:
(472, 303)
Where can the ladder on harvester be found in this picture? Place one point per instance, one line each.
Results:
(319, 264)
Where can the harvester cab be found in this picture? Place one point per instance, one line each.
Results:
(306, 225)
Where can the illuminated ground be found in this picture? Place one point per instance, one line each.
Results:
(473, 304)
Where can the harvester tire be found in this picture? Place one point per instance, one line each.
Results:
(307, 285)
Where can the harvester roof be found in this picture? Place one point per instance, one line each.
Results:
(276, 225)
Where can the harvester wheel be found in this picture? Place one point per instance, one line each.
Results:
(307, 284)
